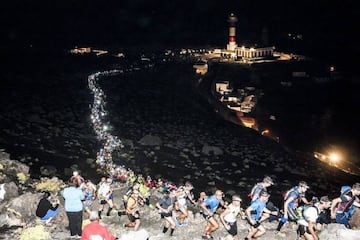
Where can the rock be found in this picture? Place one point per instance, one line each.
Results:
(150, 140)
(13, 167)
(142, 234)
(355, 219)
(212, 150)
(48, 170)
(24, 206)
(10, 190)
(336, 231)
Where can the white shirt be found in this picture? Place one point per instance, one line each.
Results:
(104, 189)
(310, 215)
(231, 216)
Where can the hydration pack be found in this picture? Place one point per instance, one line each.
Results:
(294, 189)
(346, 199)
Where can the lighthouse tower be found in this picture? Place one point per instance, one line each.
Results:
(232, 32)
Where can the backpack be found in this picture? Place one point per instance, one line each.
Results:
(253, 190)
(302, 210)
(344, 189)
(286, 195)
(346, 201)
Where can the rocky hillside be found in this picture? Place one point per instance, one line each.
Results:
(20, 194)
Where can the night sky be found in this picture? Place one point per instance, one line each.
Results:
(326, 26)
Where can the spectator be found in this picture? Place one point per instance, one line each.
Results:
(79, 179)
(94, 230)
(74, 207)
(45, 209)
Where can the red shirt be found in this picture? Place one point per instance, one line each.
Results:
(96, 231)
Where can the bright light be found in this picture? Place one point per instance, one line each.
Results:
(266, 131)
(334, 157)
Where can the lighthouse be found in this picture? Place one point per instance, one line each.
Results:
(231, 46)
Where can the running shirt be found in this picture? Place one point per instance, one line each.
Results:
(231, 216)
(167, 201)
(258, 207)
(255, 191)
(212, 203)
(295, 195)
(104, 190)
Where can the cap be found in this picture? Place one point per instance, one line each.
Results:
(269, 180)
(264, 194)
(236, 198)
(75, 173)
(303, 184)
(325, 199)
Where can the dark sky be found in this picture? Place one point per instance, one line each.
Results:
(324, 23)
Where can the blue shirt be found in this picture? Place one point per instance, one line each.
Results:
(73, 199)
(212, 203)
(258, 206)
(295, 195)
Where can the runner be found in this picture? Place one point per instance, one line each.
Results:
(341, 208)
(229, 216)
(253, 214)
(165, 206)
(209, 206)
(291, 201)
(183, 195)
(132, 211)
(90, 195)
(255, 194)
(261, 186)
(307, 224)
(105, 195)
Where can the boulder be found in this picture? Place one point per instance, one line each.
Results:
(355, 219)
(335, 231)
(23, 207)
(149, 140)
(13, 167)
(212, 150)
(8, 191)
(48, 170)
(142, 234)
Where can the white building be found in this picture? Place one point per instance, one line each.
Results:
(233, 51)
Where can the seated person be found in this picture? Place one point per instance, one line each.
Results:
(45, 209)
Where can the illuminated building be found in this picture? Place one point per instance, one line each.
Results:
(245, 53)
